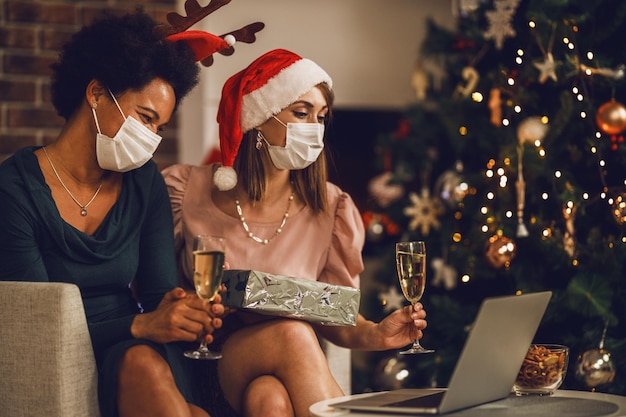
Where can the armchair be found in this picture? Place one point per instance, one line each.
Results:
(47, 366)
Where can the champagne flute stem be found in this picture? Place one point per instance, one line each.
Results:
(203, 347)
(416, 347)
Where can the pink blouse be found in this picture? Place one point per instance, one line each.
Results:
(326, 247)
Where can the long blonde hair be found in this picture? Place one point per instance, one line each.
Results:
(309, 183)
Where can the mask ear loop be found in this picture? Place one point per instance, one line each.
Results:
(278, 120)
(116, 103)
(285, 126)
(93, 110)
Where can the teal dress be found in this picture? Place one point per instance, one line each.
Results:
(134, 244)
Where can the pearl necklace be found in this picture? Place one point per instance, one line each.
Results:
(247, 228)
(83, 207)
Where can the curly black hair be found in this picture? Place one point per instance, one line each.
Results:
(123, 53)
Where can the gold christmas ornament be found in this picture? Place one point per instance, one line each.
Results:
(500, 251)
(619, 209)
(611, 117)
(420, 82)
(520, 190)
(471, 77)
(569, 234)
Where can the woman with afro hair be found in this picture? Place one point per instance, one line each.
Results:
(91, 209)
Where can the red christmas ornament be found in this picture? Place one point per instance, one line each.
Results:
(403, 129)
(611, 117)
(615, 140)
(460, 44)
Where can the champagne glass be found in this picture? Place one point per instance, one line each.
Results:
(208, 269)
(411, 266)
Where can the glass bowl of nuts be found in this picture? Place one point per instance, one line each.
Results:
(543, 370)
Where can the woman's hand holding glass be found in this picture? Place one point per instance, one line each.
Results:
(208, 269)
(181, 316)
(400, 327)
(208, 322)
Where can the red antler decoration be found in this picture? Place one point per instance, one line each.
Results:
(195, 13)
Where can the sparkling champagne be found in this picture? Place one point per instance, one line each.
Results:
(412, 274)
(208, 268)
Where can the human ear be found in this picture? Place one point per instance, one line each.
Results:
(94, 90)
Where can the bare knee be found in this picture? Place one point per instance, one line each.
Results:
(142, 363)
(295, 336)
(272, 348)
(147, 387)
(266, 396)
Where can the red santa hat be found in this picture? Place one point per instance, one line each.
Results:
(253, 95)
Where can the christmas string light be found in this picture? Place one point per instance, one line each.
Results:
(579, 92)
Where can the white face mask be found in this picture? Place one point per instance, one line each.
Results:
(304, 143)
(133, 145)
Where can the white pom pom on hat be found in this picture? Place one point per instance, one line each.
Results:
(225, 178)
(249, 98)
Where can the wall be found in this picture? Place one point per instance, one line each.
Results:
(369, 47)
(31, 34)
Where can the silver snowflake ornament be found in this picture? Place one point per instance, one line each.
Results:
(500, 21)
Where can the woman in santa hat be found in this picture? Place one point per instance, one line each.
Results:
(271, 199)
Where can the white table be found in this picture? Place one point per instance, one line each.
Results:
(569, 403)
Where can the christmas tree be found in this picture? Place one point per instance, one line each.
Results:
(510, 166)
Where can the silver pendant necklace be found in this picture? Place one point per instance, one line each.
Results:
(257, 239)
(83, 207)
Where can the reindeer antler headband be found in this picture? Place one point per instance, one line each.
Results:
(205, 44)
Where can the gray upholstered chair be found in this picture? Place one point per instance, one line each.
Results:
(47, 367)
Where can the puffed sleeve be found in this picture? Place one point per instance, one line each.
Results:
(176, 179)
(345, 260)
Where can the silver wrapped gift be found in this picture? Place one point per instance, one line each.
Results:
(280, 295)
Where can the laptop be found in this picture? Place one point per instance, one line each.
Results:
(486, 369)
